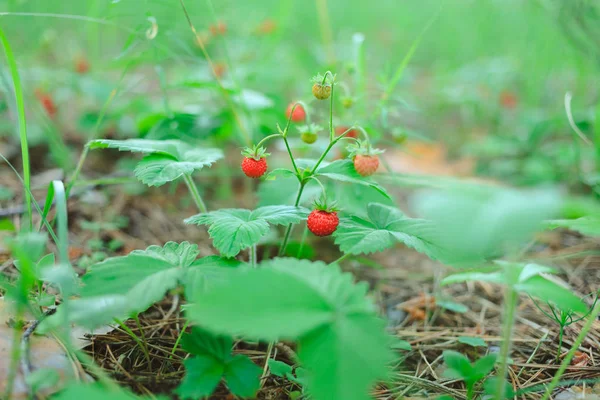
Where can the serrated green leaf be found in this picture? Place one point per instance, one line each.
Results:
(202, 376)
(201, 342)
(589, 226)
(472, 341)
(546, 290)
(90, 312)
(144, 276)
(167, 160)
(385, 227)
(242, 376)
(279, 368)
(337, 328)
(343, 171)
(234, 230)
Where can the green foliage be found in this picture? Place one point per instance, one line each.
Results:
(459, 367)
(498, 219)
(472, 341)
(167, 160)
(531, 279)
(96, 391)
(343, 171)
(589, 226)
(122, 286)
(234, 230)
(212, 362)
(385, 227)
(336, 327)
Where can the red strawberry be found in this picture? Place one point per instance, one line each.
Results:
(220, 28)
(82, 65)
(366, 165)
(254, 168)
(298, 115)
(508, 100)
(322, 223)
(47, 103)
(341, 129)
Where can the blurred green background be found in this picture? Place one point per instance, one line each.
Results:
(488, 78)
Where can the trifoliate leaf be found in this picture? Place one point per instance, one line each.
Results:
(341, 340)
(167, 159)
(202, 376)
(233, 230)
(385, 227)
(343, 171)
(212, 362)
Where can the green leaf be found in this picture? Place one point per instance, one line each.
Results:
(279, 368)
(201, 342)
(485, 365)
(485, 222)
(234, 230)
(343, 171)
(205, 272)
(202, 376)
(546, 290)
(90, 312)
(95, 391)
(385, 227)
(144, 276)
(167, 160)
(243, 376)
(214, 361)
(472, 341)
(459, 366)
(398, 344)
(589, 226)
(335, 324)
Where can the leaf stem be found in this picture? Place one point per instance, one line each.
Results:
(135, 338)
(567, 360)
(179, 338)
(510, 305)
(252, 255)
(14, 71)
(342, 258)
(195, 193)
(288, 231)
(273, 136)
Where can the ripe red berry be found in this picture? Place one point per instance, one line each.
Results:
(298, 115)
(341, 129)
(82, 65)
(366, 165)
(322, 223)
(254, 168)
(47, 103)
(508, 100)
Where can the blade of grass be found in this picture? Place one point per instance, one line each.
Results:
(14, 72)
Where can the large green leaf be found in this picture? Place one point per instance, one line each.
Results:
(343, 171)
(341, 339)
(484, 223)
(203, 374)
(233, 230)
(167, 159)
(385, 227)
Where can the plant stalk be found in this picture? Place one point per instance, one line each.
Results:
(288, 231)
(195, 193)
(510, 306)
